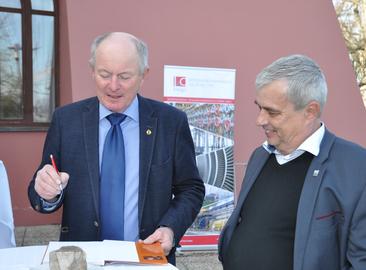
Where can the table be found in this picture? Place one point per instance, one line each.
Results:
(30, 258)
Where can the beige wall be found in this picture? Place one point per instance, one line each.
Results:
(245, 35)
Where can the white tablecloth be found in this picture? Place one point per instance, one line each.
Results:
(7, 238)
(30, 258)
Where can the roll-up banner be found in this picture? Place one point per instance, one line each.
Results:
(207, 96)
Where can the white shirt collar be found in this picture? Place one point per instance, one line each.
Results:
(311, 145)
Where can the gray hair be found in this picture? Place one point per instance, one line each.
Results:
(141, 48)
(305, 80)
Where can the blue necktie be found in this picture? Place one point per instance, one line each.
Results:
(112, 181)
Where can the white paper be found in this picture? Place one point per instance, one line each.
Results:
(100, 252)
(30, 258)
(21, 257)
(120, 251)
(93, 249)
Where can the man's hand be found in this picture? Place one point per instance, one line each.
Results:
(48, 181)
(165, 236)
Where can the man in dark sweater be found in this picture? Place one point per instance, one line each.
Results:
(303, 201)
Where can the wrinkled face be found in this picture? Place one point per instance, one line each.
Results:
(285, 127)
(116, 73)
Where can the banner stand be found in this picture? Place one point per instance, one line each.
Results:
(207, 95)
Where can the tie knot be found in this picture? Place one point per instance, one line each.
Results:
(116, 118)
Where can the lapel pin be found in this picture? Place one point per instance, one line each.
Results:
(316, 172)
(148, 132)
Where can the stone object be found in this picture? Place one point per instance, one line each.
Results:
(68, 258)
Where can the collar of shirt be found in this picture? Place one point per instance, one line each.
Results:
(132, 111)
(311, 145)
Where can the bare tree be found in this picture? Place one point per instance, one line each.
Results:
(352, 19)
(11, 98)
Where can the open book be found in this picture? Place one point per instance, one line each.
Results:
(111, 251)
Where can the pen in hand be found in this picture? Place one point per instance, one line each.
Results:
(55, 167)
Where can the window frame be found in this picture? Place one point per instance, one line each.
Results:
(27, 123)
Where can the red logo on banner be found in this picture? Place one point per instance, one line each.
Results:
(180, 81)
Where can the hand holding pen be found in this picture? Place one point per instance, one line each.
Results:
(55, 167)
(50, 182)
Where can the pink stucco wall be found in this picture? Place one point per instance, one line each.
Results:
(245, 35)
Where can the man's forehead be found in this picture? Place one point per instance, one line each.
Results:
(117, 51)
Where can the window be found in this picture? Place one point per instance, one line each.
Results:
(28, 64)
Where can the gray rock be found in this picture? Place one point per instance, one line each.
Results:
(68, 258)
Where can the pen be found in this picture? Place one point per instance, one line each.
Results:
(55, 167)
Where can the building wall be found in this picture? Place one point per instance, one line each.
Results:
(245, 35)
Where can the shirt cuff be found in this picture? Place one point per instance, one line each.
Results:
(50, 206)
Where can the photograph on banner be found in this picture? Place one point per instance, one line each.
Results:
(207, 96)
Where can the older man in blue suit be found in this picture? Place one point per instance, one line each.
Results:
(154, 192)
(302, 205)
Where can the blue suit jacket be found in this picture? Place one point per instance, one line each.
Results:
(331, 219)
(171, 191)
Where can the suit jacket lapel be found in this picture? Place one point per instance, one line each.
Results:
(308, 198)
(90, 120)
(148, 125)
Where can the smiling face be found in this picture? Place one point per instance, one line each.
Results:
(285, 127)
(116, 72)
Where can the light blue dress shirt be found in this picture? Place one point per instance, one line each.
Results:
(131, 136)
